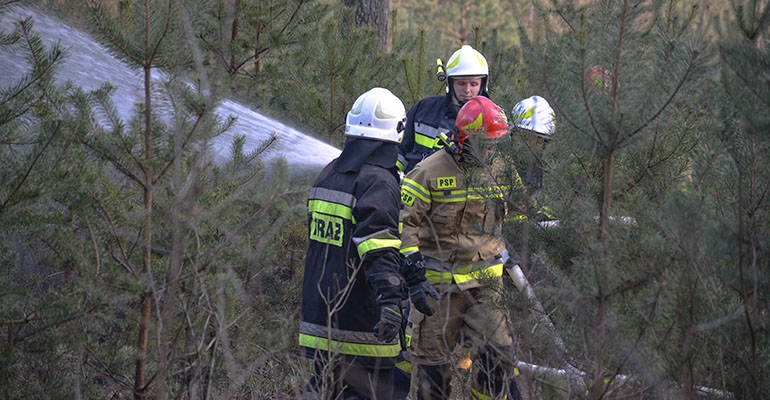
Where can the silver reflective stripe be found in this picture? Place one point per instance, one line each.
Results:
(333, 196)
(426, 130)
(401, 159)
(384, 234)
(338, 334)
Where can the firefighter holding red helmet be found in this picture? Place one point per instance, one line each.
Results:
(453, 209)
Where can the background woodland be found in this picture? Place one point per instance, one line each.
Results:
(131, 267)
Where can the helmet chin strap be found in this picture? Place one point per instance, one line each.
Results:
(453, 95)
(482, 92)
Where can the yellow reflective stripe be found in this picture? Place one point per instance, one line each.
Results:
(426, 141)
(328, 208)
(476, 193)
(450, 196)
(519, 217)
(491, 271)
(415, 189)
(462, 277)
(478, 196)
(377, 243)
(409, 250)
(476, 395)
(438, 276)
(515, 217)
(544, 210)
(427, 136)
(453, 62)
(400, 164)
(405, 366)
(491, 192)
(354, 349)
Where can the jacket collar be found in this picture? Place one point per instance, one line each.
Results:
(364, 151)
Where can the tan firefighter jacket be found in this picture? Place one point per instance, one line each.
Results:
(453, 216)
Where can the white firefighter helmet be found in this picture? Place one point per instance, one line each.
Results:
(466, 62)
(535, 115)
(378, 115)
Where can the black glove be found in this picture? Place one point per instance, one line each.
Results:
(417, 296)
(390, 323)
(413, 271)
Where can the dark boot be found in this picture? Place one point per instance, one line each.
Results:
(433, 382)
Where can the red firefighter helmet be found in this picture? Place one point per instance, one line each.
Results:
(481, 115)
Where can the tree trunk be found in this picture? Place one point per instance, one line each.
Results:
(146, 297)
(606, 207)
(373, 13)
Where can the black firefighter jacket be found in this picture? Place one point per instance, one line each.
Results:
(352, 261)
(424, 121)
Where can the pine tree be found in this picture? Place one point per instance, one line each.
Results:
(732, 182)
(176, 222)
(41, 170)
(339, 62)
(245, 36)
(623, 78)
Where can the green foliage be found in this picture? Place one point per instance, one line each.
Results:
(661, 300)
(735, 202)
(670, 305)
(74, 216)
(212, 226)
(42, 169)
(459, 22)
(340, 62)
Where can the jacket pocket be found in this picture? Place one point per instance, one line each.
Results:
(447, 215)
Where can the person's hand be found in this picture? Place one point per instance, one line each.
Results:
(389, 324)
(418, 298)
(413, 271)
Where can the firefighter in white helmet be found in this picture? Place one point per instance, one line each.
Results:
(353, 265)
(534, 115)
(535, 123)
(466, 75)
